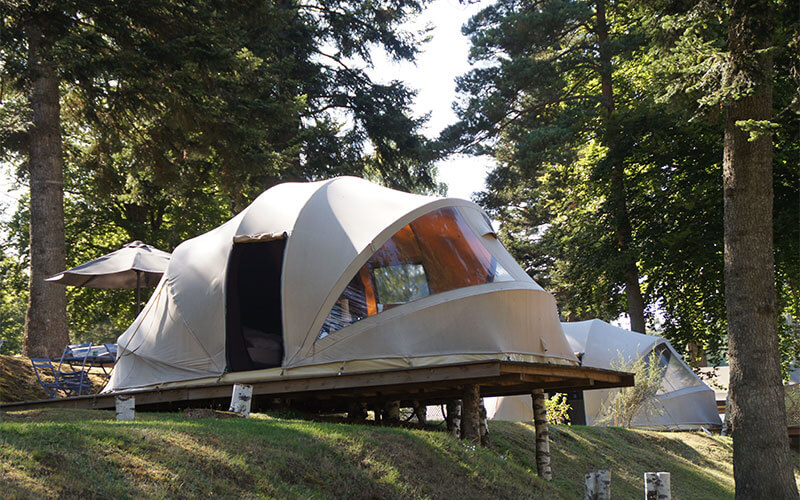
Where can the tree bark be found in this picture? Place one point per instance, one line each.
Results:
(391, 413)
(421, 412)
(761, 462)
(46, 331)
(617, 193)
(542, 436)
(484, 424)
(454, 418)
(470, 414)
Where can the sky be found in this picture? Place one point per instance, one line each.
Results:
(443, 58)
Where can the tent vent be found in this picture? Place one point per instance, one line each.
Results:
(259, 237)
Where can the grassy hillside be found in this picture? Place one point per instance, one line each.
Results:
(82, 453)
(18, 380)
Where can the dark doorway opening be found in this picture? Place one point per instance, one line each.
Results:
(254, 323)
(577, 411)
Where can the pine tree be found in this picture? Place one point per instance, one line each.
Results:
(547, 84)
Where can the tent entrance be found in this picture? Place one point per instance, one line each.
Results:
(254, 323)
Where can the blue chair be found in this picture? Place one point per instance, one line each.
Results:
(74, 381)
(45, 365)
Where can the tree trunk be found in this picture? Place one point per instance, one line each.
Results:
(46, 331)
(484, 424)
(761, 462)
(454, 418)
(617, 194)
(391, 413)
(542, 436)
(470, 415)
(421, 412)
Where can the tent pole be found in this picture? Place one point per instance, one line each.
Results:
(138, 301)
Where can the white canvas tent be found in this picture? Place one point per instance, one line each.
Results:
(338, 276)
(685, 400)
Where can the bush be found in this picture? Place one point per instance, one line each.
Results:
(624, 404)
(557, 409)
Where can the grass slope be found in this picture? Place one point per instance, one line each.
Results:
(84, 453)
(18, 380)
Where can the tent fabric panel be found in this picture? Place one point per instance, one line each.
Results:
(512, 408)
(160, 346)
(606, 342)
(275, 210)
(485, 319)
(337, 224)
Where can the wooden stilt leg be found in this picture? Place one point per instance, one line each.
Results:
(542, 436)
(454, 418)
(470, 416)
(420, 410)
(484, 424)
(391, 413)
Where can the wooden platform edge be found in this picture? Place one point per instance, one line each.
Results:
(496, 378)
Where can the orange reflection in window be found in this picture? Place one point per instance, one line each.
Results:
(436, 253)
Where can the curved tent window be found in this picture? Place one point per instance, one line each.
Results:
(435, 253)
(676, 375)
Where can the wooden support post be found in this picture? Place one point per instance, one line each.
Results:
(470, 415)
(657, 486)
(454, 418)
(421, 412)
(126, 407)
(356, 411)
(542, 436)
(598, 485)
(241, 399)
(726, 422)
(484, 424)
(391, 412)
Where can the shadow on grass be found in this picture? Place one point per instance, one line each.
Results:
(167, 456)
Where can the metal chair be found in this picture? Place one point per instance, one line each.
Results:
(75, 380)
(46, 365)
(107, 353)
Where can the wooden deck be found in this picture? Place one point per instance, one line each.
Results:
(428, 385)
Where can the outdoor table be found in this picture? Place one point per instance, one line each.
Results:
(98, 355)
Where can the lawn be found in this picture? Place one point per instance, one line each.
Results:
(85, 453)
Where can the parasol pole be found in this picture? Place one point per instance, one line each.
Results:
(138, 301)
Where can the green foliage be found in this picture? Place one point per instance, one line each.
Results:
(557, 409)
(535, 103)
(176, 115)
(624, 404)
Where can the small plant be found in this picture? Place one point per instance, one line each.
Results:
(557, 409)
(624, 404)
(792, 404)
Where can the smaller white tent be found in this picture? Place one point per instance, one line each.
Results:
(684, 400)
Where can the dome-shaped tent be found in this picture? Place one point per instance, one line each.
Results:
(684, 400)
(334, 276)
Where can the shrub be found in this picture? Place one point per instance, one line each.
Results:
(624, 404)
(557, 409)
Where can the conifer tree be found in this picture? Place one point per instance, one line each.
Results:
(545, 85)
